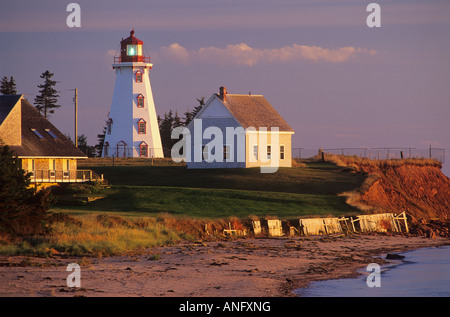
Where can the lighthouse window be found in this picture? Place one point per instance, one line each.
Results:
(105, 149)
(140, 101)
(142, 127)
(138, 76)
(109, 126)
(143, 150)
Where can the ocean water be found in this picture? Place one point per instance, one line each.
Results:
(422, 273)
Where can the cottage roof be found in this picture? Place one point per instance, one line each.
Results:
(40, 138)
(254, 111)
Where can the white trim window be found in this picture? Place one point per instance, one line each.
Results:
(226, 153)
(282, 152)
(255, 152)
(205, 153)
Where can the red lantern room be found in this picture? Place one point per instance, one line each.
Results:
(131, 50)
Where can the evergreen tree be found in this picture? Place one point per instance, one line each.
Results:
(46, 102)
(189, 115)
(8, 87)
(22, 212)
(171, 121)
(84, 147)
(89, 150)
(166, 126)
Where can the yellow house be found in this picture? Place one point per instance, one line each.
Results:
(238, 131)
(43, 150)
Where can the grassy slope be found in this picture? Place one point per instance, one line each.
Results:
(291, 192)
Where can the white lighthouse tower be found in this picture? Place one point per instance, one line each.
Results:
(132, 127)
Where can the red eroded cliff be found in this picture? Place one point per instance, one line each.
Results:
(416, 186)
(421, 191)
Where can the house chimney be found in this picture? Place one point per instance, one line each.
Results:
(223, 93)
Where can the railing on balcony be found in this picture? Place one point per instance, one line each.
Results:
(131, 59)
(60, 176)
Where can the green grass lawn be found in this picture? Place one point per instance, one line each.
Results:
(323, 178)
(213, 203)
(219, 193)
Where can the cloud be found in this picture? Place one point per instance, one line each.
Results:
(111, 53)
(175, 52)
(244, 55)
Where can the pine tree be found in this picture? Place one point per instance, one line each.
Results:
(46, 102)
(8, 87)
(22, 212)
(171, 121)
(165, 130)
(89, 150)
(189, 115)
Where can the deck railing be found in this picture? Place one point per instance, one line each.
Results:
(60, 176)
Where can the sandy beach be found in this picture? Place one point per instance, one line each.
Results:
(253, 267)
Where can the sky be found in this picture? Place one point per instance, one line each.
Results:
(336, 81)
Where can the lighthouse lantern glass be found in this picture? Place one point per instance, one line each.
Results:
(133, 50)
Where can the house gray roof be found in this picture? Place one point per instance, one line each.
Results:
(254, 111)
(47, 142)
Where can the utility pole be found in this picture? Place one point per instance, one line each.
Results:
(75, 99)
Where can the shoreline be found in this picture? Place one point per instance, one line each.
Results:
(249, 267)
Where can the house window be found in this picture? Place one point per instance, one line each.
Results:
(140, 101)
(138, 76)
(269, 152)
(52, 168)
(226, 152)
(50, 132)
(143, 150)
(255, 152)
(205, 152)
(37, 133)
(66, 168)
(31, 168)
(281, 152)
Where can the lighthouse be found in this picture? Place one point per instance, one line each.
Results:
(132, 127)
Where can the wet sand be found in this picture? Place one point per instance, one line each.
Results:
(253, 267)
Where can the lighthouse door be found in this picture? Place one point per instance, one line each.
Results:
(121, 149)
